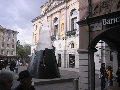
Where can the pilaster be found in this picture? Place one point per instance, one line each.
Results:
(83, 69)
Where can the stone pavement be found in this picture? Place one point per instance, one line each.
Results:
(69, 73)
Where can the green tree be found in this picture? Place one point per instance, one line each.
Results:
(23, 50)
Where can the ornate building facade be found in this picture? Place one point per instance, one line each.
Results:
(62, 16)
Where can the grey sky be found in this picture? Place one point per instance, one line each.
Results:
(17, 15)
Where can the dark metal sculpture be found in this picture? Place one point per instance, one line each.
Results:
(44, 65)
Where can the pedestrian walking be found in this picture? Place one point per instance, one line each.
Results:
(25, 81)
(12, 65)
(16, 66)
(118, 75)
(103, 76)
(5, 63)
(6, 79)
(109, 76)
(1, 65)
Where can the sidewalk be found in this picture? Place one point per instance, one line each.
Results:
(67, 75)
(76, 70)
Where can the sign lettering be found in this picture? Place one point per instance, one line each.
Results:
(110, 21)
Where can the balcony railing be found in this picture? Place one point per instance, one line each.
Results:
(72, 32)
(53, 37)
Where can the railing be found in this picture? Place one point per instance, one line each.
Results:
(72, 32)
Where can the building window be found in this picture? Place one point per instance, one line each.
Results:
(3, 39)
(12, 46)
(8, 39)
(73, 14)
(55, 20)
(3, 33)
(7, 45)
(7, 52)
(13, 35)
(72, 45)
(36, 27)
(73, 23)
(12, 52)
(55, 25)
(55, 29)
(2, 44)
(12, 40)
(2, 51)
(8, 34)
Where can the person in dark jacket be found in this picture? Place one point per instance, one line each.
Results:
(103, 76)
(5, 63)
(1, 65)
(118, 75)
(25, 81)
(12, 65)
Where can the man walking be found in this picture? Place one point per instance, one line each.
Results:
(12, 65)
(103, 75)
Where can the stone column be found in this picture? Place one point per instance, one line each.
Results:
(83, 69)
(86, 70)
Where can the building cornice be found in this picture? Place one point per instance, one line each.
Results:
(48, 10)
(5, 29)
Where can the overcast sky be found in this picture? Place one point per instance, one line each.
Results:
(17, 15)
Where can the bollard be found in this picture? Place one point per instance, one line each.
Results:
(75, 84)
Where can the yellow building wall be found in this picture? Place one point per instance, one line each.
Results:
(61, 22)
(36, 32)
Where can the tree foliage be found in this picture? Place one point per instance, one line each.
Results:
(23, 50)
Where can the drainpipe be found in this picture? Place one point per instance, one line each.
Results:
(91, 64)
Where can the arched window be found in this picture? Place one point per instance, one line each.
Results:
(73, 12)
(72, 45)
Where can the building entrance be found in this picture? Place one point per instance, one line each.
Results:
(72, 60)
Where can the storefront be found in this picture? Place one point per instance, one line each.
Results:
(71, 60)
